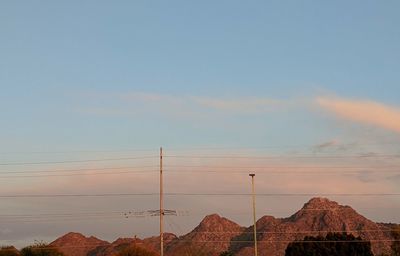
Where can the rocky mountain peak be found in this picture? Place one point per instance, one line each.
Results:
(76, 244)
(216, 234)
(213, 228)
(214, 222)
(320, 203)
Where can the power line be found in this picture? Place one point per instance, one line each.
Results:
(283, 194)
(199, 148)
(281, 166)
(219, 241)
(281, 157)
(32, 220)
(82, 169)
(201, 194)
(77, 161)
(286, 172)
(77, 174)
(79, 195)
(289, 241)
(304, 146)
(98, 171)
(154, 171)
(76, 151)
(179, 213)
(197, 156)
(295, 232)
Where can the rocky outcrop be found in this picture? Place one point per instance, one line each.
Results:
(216, 234)
(211, 237)
(76, 244)
(317, 217)
(153, 242)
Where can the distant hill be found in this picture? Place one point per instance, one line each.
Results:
(76, 244)
(317, 217)
(215, 234)
(151, 243)
(210, 237)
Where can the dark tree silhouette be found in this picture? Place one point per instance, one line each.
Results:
(396, 243)
(226, 253)
(136, 251)
(334, 244)
(40, 249)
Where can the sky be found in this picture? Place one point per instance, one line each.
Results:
(267, 82)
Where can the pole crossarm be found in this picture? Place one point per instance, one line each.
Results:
(153, 213)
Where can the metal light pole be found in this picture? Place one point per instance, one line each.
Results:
(254, 213)
(161, 205)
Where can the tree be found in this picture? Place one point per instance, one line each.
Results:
(136, 251)
(396, 243)
(334, 244)
(40, 249)
(226, 253)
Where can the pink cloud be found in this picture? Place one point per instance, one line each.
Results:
(363, 111)
(247, 105)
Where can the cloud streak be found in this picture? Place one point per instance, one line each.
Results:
(363, 111)
(248, 105)
(181, 106)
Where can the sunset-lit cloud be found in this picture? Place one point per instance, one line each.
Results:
(248, 105)
(182, 106)
(363, 111)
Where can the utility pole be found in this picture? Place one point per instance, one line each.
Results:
(161, 205)
(254, 213)
(135, 245)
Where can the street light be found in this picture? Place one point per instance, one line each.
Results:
(254, 213)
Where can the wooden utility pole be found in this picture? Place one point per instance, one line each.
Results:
(161, 205)
(254, 213)
(135, 245)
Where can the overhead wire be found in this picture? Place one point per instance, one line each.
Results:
(78, 174)
(282, 156)
(200, 157)
(195, 194)
(225, 241)
(81, 169)
(186, 194)
(78, 161)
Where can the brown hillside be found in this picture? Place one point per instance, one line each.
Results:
(210, 237)
(317, 217)
(76, 244)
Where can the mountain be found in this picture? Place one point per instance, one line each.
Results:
(210, 237)
(76, 244)
(216, 234)
(317, 217)
(151, 243)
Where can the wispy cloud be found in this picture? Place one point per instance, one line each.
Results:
(325, 145)
(334, 145)
(248, 105)
(180, 105)
(363, 111)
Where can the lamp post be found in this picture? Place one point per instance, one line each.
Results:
(161, 205)
(254, 213)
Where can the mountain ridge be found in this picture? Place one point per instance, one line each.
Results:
(215, 234)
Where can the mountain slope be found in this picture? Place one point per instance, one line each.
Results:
(210, 237)
(151, 243)
(216, 234)
(317, 217)
(76, 244)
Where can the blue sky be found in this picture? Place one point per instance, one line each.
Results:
(52, 53)
(101, 75)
